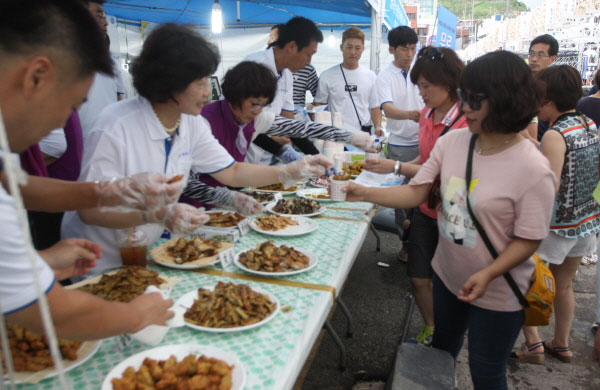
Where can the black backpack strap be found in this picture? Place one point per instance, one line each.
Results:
(451, 124)
(351, 98)
(484, 237)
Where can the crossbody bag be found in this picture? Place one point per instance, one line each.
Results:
(539, 300)
(362, 127)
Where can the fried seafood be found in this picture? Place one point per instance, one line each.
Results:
(275, 222)
(229, 306)
(271, 258)
(296, 206)
(221, 219)
(185, 250)
(355, 168)
(193, 373)
(322, 195)
(278, 187)
(30, 351)
(124, 285)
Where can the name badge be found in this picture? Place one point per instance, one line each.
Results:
(351, 88)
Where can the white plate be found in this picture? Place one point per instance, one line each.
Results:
(314, 191)
(284, 193)
(180, 351)
(311, 264)
(187, 300)
(270, 206)
(89, 348)
(305, 225)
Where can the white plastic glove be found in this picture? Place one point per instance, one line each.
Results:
(363, 141)
(304, 169)
(243, 204)
(141, 191)
(178, 218)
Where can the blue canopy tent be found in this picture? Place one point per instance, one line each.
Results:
(265, 12)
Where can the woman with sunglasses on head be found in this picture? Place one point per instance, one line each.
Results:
(162, 131)
(511, 194)
(436, 72)
(239, 118)
(572, 146)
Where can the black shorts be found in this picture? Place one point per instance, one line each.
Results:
(421, 245)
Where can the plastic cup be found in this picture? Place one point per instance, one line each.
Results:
(336, 189)
(371, 156)
(133, 247)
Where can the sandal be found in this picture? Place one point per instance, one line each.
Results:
(556, 352)
(526, 355)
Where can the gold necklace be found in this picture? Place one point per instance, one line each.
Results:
(481, 150)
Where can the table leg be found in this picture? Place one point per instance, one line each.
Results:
(349, 320)
(376, 236)
(338, 342)
(411, 308)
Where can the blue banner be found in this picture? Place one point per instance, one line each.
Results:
(445, 28)
(394, 14)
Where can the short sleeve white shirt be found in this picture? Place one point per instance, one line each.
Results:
(54, 144)
(332, 90)
(102, 93)
(393, 87)
(127, 139)
(17, 285)
(284, 97)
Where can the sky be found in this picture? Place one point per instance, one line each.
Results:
(532, 3)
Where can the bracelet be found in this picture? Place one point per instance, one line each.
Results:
(397, 168)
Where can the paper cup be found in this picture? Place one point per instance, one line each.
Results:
(329, 152)
(371, 156)
(336, 189)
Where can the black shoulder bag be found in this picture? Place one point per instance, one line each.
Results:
(363, 128)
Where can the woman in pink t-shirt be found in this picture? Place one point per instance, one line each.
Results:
(436, 72)
(511, 193)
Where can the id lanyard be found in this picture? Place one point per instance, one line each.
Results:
(168, 145)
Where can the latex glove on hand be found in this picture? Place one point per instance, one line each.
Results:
(243, 204)
(363, 141)
(303, 169)
(288, 154)
(151, 309)
(178, 218)
(142, 191)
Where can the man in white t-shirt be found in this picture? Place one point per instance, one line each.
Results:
(106, 89)
(350, 88)
(297, 42)
(48, 71)
(399, 97)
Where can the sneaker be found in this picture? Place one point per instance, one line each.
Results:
(424, 338)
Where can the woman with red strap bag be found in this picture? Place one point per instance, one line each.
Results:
(511, 193)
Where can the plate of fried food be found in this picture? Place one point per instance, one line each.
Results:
(125, 284)
(225, 219)
(271, 260)
(31, 354)
(226, 308)
(283, 226)
(318, 194)
(189, 252)
(297, 206)
(262, 197)
(276, 188)
(181, 366)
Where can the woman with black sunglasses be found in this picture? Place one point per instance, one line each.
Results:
(511, 194)
(436, 72)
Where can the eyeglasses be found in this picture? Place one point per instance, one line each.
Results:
(474, 101)
(539, 54)
(255, 107)
(430, 53)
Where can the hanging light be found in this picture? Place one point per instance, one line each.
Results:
(217, 18)
(331, 40)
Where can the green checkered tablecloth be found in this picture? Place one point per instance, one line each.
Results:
(266, 352)
(273, 354)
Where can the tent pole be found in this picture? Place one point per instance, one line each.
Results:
(376, 18)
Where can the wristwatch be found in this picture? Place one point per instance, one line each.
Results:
(397, 168)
